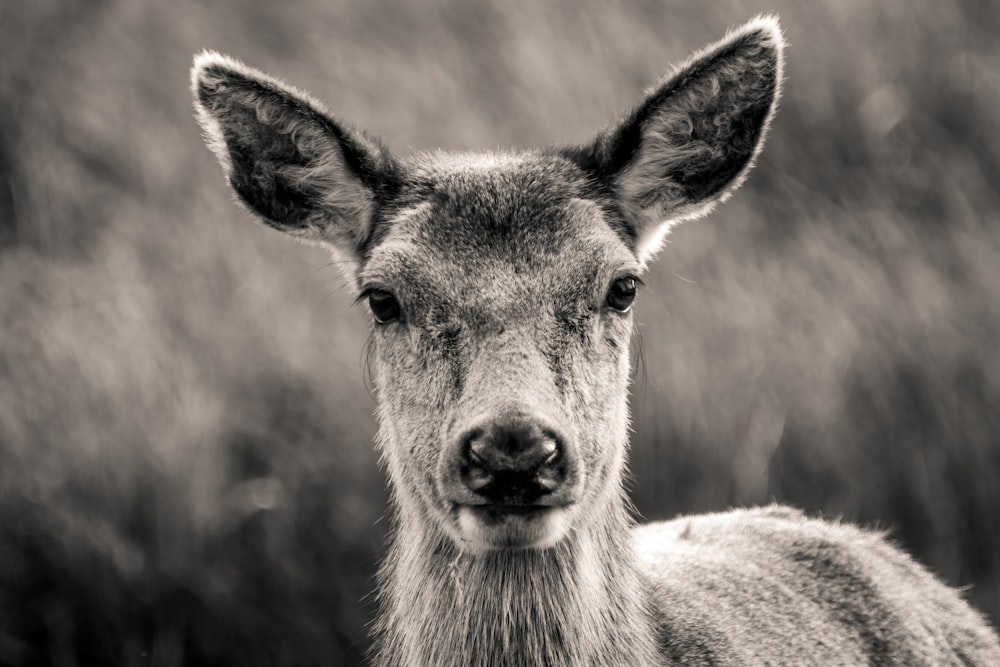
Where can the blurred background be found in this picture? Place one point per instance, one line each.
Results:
(186, 468)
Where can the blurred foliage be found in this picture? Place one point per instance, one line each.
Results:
(186, 474)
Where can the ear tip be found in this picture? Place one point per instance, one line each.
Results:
(209, 58)
(765, 30)
(208, 66)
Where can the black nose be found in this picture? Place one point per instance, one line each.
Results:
(512, 461)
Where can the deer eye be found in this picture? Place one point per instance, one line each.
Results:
(622, 294)
(384, 306)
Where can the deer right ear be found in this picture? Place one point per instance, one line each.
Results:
(289, 161)
(690, 143)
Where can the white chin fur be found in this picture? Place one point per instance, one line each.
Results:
(479, 534)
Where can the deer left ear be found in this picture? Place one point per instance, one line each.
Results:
(691, 142)
(292, 164)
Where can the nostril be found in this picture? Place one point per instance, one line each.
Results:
(548, 480)
(550, 473)
(479, 450)
(548, 448)
(476, 478)
(475, 471)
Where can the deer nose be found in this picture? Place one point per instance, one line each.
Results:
(512, 461)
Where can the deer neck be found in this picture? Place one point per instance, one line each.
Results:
(580, 602)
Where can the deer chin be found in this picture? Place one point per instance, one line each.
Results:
(483, 528)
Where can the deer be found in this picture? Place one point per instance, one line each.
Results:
(500, 287)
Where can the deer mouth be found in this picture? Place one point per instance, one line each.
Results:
(496, 514)
(497, 527)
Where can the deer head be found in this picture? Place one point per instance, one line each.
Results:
(500, 285)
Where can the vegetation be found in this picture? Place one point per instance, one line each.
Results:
(186, 468)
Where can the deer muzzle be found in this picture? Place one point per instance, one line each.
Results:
(511, 477)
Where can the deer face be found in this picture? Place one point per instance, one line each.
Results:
(499, 285)
(501, 299)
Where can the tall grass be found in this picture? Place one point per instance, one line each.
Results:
(186, 475)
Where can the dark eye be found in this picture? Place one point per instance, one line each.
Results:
(622, 294)
(384, 306)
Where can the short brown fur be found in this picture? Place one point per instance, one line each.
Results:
(500, 269)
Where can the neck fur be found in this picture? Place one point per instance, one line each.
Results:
(580, 602)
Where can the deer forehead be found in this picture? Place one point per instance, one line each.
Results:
(497, 235)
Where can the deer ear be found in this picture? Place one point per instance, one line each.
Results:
(690, 143)
(289, 161)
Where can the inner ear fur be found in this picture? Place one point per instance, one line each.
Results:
(289, 161)
(692, 140)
